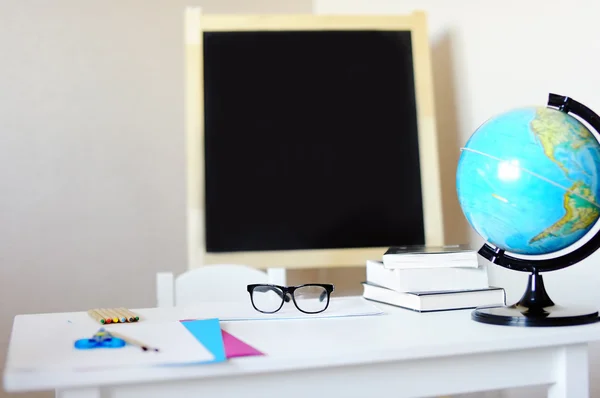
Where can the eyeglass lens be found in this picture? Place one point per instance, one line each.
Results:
(267, 298)
(311, 298)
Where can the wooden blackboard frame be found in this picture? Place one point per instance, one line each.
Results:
(196, 24)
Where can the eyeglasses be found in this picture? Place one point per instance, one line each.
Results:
(310, 298)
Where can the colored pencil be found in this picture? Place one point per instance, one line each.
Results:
(99, 318)
(116, 315)
(99, 312)
(131, 341)
(106, 315)
(130, 314)
(134, 315)
(125, 315)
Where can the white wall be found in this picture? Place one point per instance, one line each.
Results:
(490, 56)
(92, 167)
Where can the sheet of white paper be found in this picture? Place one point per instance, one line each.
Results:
(53, 347)
(338, 307)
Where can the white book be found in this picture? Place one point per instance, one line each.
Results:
(430, 257)
(436, 301)
(426, 279)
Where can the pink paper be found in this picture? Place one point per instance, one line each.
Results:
(235, 347)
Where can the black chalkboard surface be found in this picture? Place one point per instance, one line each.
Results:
(310, 141)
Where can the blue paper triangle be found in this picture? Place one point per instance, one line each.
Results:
(208, 333)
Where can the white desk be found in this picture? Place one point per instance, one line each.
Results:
(411, 354)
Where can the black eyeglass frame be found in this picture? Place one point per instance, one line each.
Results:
(288, 291)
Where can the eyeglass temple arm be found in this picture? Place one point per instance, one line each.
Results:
(323, 295)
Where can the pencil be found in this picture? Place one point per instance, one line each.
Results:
(124, 315)
(106, 315)
(131, 341)
(115, 314)
(100, 313)
(99, 318)
(130, 314)
(115, 317)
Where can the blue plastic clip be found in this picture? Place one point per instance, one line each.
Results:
(102, 339)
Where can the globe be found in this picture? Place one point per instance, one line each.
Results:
(528, 180)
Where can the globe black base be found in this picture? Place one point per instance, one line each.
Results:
(535, 309)
(516, 315)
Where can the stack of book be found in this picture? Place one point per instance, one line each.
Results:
(426, 279)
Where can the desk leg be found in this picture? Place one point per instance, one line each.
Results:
(89, 392)
(572, 377)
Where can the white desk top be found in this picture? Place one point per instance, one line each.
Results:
(307, 343)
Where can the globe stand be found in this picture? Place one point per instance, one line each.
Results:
(535, 308)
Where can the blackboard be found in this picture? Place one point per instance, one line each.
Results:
(310, 140)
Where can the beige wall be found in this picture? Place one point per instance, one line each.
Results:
(92, 199)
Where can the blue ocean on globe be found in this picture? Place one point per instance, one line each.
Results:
(528, 180)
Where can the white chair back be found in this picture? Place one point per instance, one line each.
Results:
(223, 282)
